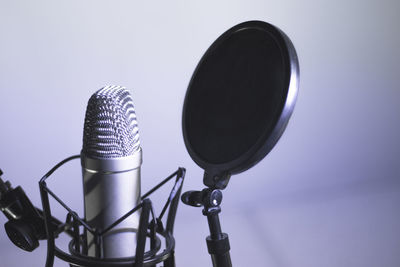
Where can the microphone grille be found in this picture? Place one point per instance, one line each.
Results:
(110, 128)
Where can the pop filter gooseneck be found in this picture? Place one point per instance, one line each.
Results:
(238, 103)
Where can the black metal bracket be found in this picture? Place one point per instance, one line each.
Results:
(15, 204)
(217, 242)
(216, 179)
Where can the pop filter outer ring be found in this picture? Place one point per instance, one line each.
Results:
(201, 142)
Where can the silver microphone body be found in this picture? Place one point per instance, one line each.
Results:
(111, 158)
(111, 189)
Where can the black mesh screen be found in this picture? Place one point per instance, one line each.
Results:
(235, 96)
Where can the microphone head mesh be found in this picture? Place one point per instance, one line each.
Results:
(110, 129)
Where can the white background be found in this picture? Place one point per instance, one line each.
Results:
(327, 195)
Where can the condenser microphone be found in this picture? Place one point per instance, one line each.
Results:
(111, 157)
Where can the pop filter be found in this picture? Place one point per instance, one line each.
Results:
(239, 100)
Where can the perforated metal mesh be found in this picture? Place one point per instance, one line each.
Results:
(110, 128)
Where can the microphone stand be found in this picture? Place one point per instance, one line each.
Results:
(217, 242)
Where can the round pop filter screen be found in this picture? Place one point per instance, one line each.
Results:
(240, 97)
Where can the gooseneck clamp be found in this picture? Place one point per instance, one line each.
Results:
(217, 242)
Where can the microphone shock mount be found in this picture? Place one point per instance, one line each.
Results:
(28, 224)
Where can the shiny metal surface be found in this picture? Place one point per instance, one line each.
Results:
(110, 128)
(108, 196)
(111, 157)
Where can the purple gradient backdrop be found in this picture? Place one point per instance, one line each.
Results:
(327, 195)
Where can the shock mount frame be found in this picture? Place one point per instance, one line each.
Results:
(150, 227)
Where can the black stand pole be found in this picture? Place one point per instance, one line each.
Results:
(217, 242)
